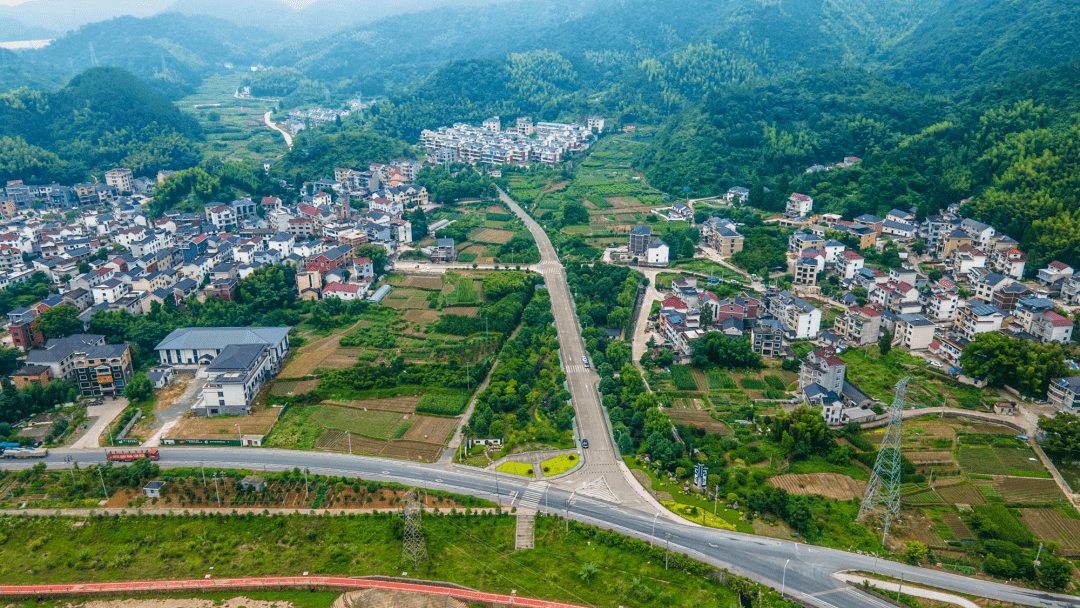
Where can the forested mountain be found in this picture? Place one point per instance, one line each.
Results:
(10, 29)
(170, 51)
(104, 117)
(16, 72)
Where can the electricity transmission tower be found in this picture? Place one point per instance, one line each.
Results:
(413, 549)
(883, 491)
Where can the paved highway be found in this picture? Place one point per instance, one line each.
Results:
(601, 491)
(809, 572)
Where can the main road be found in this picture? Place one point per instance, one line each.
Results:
(602, 491)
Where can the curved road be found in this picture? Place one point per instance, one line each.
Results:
(284, 133)
(602, 492)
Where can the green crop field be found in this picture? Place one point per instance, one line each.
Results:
(371, 424)
(442, 405)
(683, 378)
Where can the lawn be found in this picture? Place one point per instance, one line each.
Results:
(474, 551)
(371, 424)
(516, 468)
(559, 464)
(877, 376)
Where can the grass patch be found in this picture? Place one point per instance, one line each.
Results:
(1036, 474)
(371, 424)
(559, 464)
(516, 468)
(468, 550)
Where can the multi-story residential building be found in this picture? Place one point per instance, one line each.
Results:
(981, 318)
(848, 263)
(233, 380)
(40, 375)
(444, 251)
(282, 243)
(721, 234)
(980, 233)
(1054, 272)
(1007, 297)
(640, 236)
(1064, 394)
(798, 206)
(23, 328)
(859, 325)
(387, 206)
(802, 320)
(899, 231)
(121, 179)
(1010, 262)
(1051, 327)
(657, 255)
(738, 195)
(806, 271)
(767, 338)
(465, 143)
(333, 258)
(915, 332)
(942, 305)
(596, 123)
(989, 284)
(110, 291)
(342, 291)
(98, 368)
(800, 241)
(953, 239)
(823, 368)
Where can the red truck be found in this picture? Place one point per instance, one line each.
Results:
(133, 455)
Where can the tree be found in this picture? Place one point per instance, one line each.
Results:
(59, 322)
(1062, 433)
(618, 353)
(1053, 572)
(884, 343)
(1026, 366)
(715, 349)
(139, 389)
(915, 552)
(706, 316)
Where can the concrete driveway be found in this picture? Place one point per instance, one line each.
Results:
(166, 418)
(102, 416)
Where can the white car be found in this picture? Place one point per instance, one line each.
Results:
(585, 360)
(933, 363)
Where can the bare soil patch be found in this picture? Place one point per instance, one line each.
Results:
(489, 235)
(829, 485)
(465, 311)
(423, 317)
(259, 422)
(293, 387)
(431, 429)
(698, 418)
(405, 404)
(554, 187)
(929, 457)
(302, 364)
(434, 283)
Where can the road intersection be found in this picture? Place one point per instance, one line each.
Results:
(602, 491)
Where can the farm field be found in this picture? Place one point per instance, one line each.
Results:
(1050, 525)
(238, 131)
(699, 418)
(961, 494)
(829, 485)
(1027, 490)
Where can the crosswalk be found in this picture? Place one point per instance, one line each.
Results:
(533, 492)
(575, 369)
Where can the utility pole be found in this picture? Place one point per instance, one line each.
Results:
(715, 497)
(900, 587)
(349, 437)
(102, 478)
(653, 533)
(203, 469)
(216, 490)
(568, 510)
(667, 551)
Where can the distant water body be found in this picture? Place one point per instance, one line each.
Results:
(22, 45)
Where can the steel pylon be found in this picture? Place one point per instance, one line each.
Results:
(883, 492)
(413, 548)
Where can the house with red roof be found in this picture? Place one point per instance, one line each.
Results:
(341, 291)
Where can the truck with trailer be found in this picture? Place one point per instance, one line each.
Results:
(133, 455)
(25, 453)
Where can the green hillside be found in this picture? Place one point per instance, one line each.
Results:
(104, 117)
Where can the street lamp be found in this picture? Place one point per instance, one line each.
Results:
(653, 533)
(783, 582)
(238, 434)
(568, 510)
